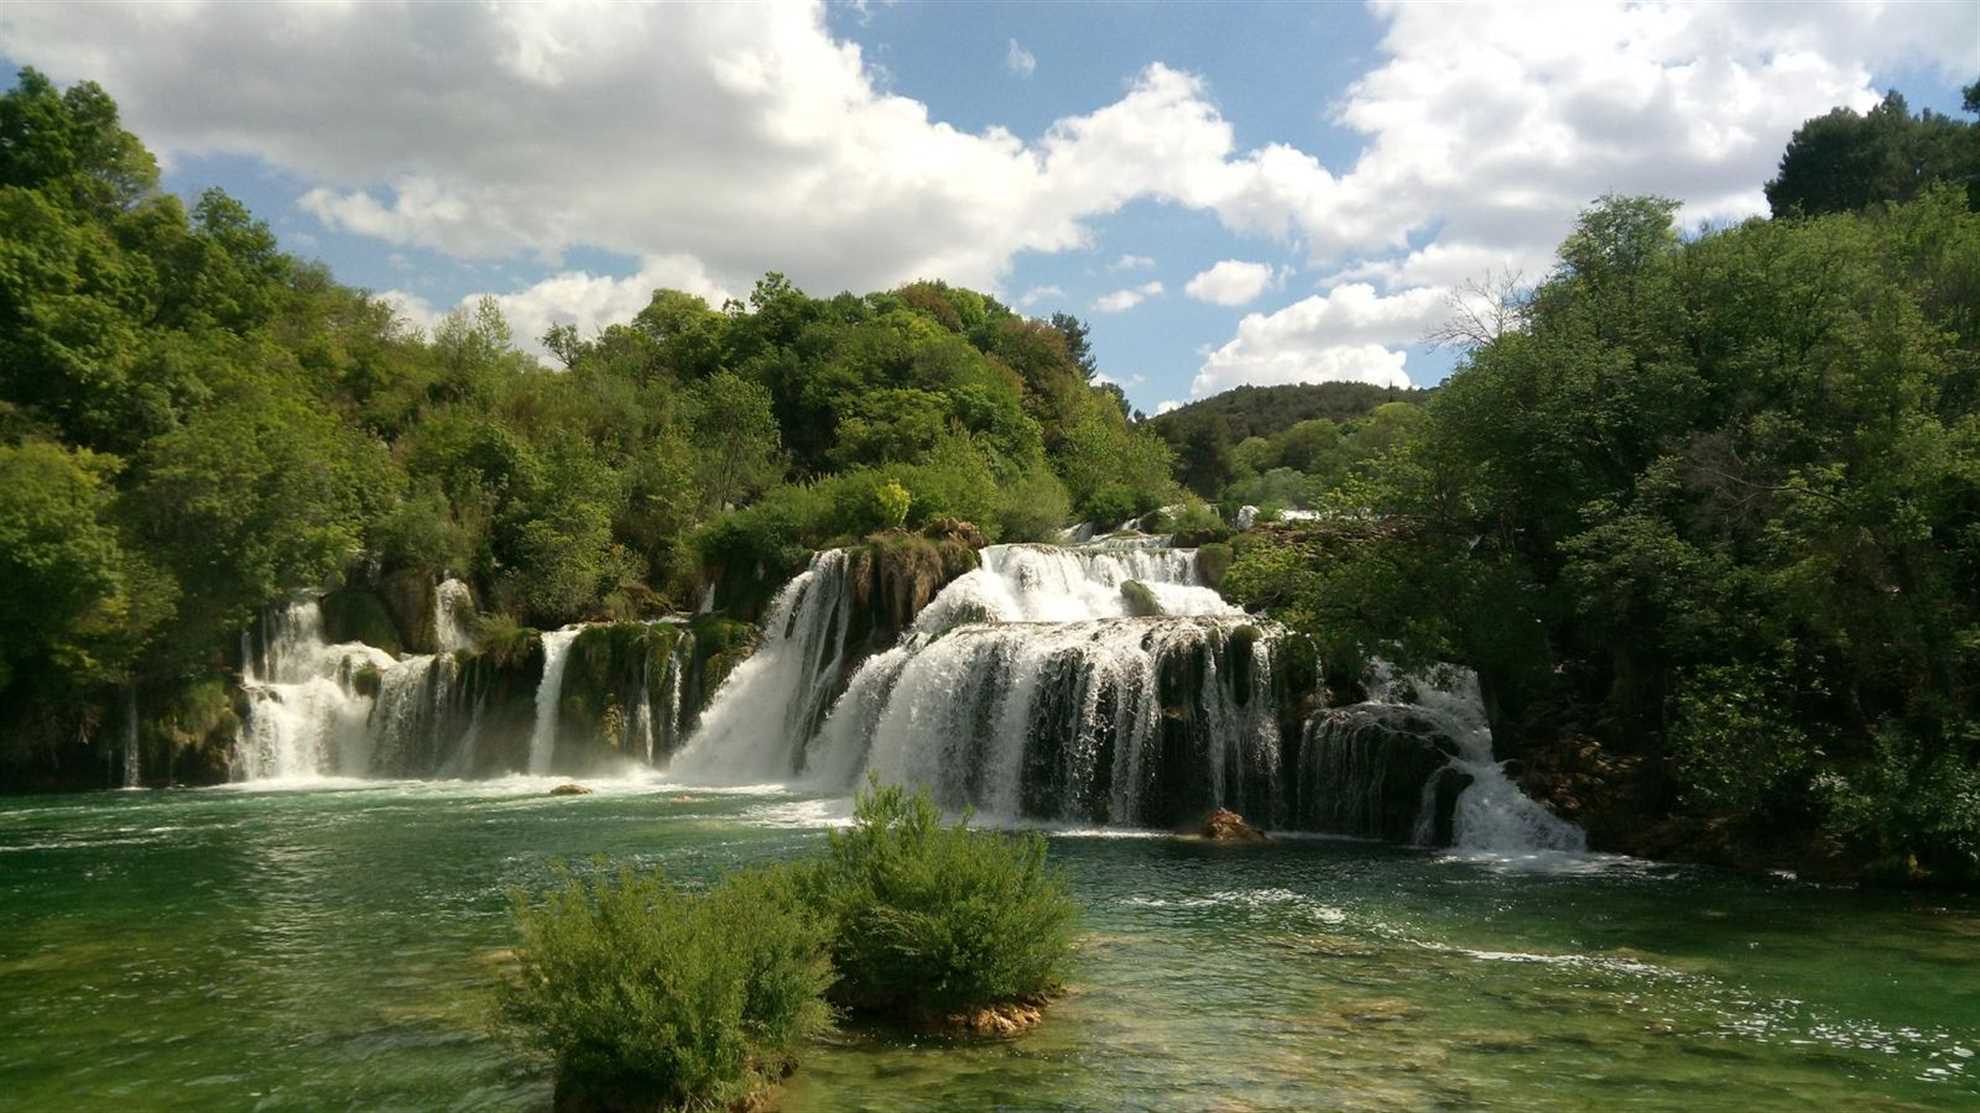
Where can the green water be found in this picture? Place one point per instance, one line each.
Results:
(222, 950)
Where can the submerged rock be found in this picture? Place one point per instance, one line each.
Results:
(1225, 825)
(572, 789)
(1006, 1018)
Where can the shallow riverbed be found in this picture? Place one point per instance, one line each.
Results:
(333, 947)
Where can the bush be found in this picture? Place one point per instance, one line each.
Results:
(646, 996)
(934, 918)
(1034, 508)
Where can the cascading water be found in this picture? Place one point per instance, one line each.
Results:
(1492, 814)
(320, 709)
(1104, 683)
(306, 716)
(543, 739)
(453, 617)
(774, 700)
(133, 759)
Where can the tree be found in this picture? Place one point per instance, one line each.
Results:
(1078, 348)
(1206, 458)
(735, 437)
(61, 565)
(1842, 161)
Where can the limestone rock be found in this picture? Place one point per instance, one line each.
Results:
(572, 789)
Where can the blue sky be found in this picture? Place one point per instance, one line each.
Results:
(1228, 193)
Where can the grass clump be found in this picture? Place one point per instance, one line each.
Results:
(934, 918)
(646, 996)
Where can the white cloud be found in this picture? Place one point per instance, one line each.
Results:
(576, 298)
(1020, 61)
(1131, 380)
(1130, 263)
(1121, 301)
(746, 138)
(1037, 294)
(1350, 333)
(1232, 282)
(1164, 407)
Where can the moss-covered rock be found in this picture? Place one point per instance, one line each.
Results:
(1361, 770)
(1213, 559)
(1140, 601)
(891, 576)
(613, 670)
(356, 614)
(408, 596)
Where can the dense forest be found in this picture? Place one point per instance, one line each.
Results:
(1705, 516)
(1707, 520)
(194, 425)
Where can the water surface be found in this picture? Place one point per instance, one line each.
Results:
(230, 949)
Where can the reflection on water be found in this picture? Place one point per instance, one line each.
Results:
(237, 949)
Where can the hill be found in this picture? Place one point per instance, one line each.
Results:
(1260, 411)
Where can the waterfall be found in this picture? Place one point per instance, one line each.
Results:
(756, 723)
(639, 726)
(1125, 721)
(543, 739)
(321, 709)
(1492, 814)
(453, 616)
(133, 759)
(1106, 684)
(678, 662)
(1040, 583)
(306, 715)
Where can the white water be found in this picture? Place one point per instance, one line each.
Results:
(1024, 689)
(772, 701)
(453, 617)
(1492, 813)
(305, 718)
(549, 690)
(962, 714)
(133, 759)
(1038, 583)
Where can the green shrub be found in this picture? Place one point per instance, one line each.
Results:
(1213, 559)
(891, 503)
(1034, 508)
(933, 918)
(502, 639)
(645, 995)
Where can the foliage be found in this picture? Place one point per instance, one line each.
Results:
(1265, 411)
(238, 427)
(934, 917)
(636, 987)
(1844, 161)
(1718, 497)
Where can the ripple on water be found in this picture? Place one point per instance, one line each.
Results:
(216, 949)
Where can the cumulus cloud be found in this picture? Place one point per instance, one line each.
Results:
(1164, 407)
(1232, 282)
(1350, 333)
(746, 138)
(1037, 294)
(1131, 263)
(1020, 61)
(1120, 301)
(578, 298)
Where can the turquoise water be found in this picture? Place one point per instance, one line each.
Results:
(232, 950)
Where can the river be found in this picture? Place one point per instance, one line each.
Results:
(247, 948)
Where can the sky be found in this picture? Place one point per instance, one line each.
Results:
(1228, 193)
